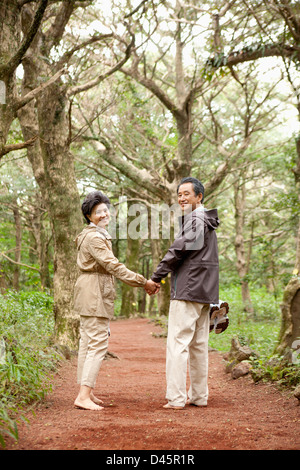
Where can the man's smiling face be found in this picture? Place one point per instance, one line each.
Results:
(187, 199)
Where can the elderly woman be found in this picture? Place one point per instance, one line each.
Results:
(95, 293)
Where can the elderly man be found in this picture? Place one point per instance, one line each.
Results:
(193, 262)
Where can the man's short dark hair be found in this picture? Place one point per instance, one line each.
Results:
(197, 185)
(93, 199)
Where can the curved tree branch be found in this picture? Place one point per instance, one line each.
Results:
(86, 86)
(20, 146)
(10, 67)
(254, 52)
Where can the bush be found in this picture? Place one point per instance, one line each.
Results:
(26, 356)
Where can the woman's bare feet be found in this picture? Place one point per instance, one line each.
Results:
(171, 407)
(86, 399)
(95, 399)
(87, 404)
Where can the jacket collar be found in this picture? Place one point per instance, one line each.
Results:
(184, 218)
(101, 230)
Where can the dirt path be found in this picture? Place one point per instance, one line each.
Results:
(240, 415)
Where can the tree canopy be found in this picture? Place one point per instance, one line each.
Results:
(131, 96)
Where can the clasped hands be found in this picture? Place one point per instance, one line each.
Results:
(151, 287)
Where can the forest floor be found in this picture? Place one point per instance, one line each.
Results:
(240, 415)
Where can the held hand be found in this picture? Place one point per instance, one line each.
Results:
(151, 287)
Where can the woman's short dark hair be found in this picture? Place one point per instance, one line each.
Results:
(93, 199)
(197, 185)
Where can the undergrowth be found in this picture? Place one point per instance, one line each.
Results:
(26, 355)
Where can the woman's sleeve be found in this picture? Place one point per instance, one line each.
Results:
(105, 257)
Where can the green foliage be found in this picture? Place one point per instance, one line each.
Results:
(276, 369)
(26, 358)
(260, 332)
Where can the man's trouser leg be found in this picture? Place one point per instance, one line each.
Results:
(188, 325)
(198, 360)
(92, 348)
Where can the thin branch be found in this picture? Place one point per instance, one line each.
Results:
(68, 54)
(136, 9)
(9, 148)
(19, 264)
(86, 86)
(32, 94)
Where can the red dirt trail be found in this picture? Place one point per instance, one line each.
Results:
(240, 415)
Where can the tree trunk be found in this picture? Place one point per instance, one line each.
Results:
(183, 164)
(17, 219)
(290, 307)
(3, 282)
(53, 168)
(290, 320)
(41, 241)
(129, 294)
(10, 26)
(159, 248)
(63, 205)
(142, 301)
(242, 264)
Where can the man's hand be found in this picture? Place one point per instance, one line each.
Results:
(151, 287)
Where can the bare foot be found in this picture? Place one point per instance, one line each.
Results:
(87, 404)
(171, 407)
(95, 399)
(188, 402)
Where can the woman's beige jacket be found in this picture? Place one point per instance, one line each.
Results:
(94, 293)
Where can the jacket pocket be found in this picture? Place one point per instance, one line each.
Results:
(108, 290)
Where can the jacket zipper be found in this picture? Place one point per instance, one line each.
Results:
(175, 285)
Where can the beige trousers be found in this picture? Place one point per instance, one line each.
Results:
(188, 332)
(92, 348)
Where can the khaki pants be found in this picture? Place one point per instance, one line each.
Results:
(92, 348)
(188, 331)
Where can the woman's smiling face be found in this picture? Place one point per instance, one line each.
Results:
(100, 215)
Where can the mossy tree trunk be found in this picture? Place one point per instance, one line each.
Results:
(53, 167)
(290, 320)
(54, 171)
(130, 294)
(63, 204)
(290, 307)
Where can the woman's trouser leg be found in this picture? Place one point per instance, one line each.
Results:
(92, 348)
